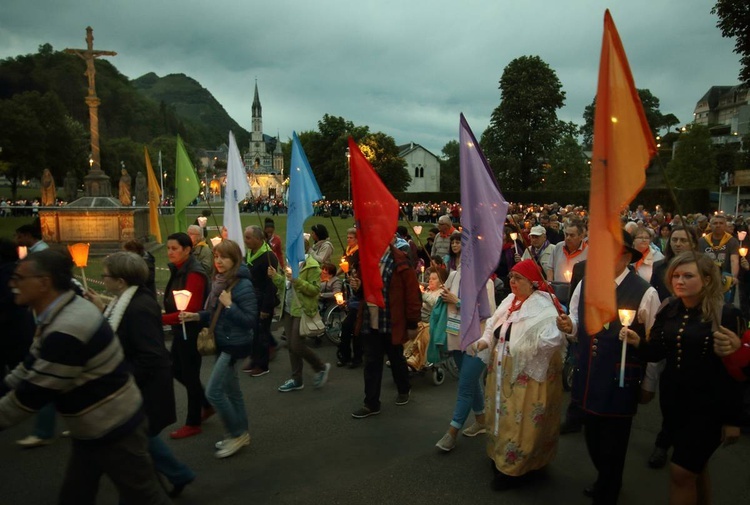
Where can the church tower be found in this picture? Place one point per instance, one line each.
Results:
(257, 135)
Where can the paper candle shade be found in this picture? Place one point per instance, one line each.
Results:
(627, 316)
(80, 254)
(23, 251)
(418, 230)
(339, 298)
(741, 235)
(743, 251)
(202, 220)
(182, 298)
(216, 241)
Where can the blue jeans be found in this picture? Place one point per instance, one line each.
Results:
(223, 392)
(470, 391)
(167, 464)
(44, 422)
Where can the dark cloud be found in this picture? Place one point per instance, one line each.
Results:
(404, 68)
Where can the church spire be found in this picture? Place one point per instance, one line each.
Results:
(256, 103)
(256, 135)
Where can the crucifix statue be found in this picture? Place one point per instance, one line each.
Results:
(96, 182)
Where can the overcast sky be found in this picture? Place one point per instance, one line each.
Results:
(406, 68)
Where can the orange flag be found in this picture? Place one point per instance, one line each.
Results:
(623, 147)
(154, 197)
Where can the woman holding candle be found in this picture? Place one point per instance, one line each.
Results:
(186, 273)
(702, 403)
(233, 296)
(524, 384)
(329, 286)
(135, 317)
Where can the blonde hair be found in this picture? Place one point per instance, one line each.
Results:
(712, 296)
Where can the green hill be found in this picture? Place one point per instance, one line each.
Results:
(192, 102)
(46, 121)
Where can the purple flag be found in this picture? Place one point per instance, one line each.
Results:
(482, 217)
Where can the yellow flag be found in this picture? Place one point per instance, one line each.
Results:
(154, 198)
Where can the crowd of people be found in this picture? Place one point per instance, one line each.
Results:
(102, 361)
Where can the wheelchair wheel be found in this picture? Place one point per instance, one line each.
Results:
(438, 376)
(333, 319)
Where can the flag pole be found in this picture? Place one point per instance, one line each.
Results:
(337, 234)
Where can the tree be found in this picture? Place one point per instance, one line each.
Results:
(693, 166)
(567, 168)
(734, 21)
(36, 133)
(524, 127)
(650, 104)
(326, 152)
(387, 163)
(450, 178)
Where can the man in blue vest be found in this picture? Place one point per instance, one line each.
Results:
(608, 408)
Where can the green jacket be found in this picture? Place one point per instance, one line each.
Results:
(306, 289)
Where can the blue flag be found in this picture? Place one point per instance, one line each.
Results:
(482, 217)
(303, 191)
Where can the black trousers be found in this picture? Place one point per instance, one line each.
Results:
(607, 443)
(376, 346)
(186, 368)
(262, 343)
(126, 462)
(350, 347)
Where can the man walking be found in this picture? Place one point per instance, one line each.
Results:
(386, 330)
(258, 258)
(77, 363)
(609, 408)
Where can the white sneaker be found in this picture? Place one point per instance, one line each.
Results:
(232, 445)
(322, 377)
(474, 430)
(447, 443)
(34, 441)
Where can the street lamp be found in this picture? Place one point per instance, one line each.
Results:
(348, 175)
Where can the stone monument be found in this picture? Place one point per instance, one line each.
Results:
(96, 182)
(49, 193)
(70, 186)
(124, 187)
(97, 218)
(141, 189)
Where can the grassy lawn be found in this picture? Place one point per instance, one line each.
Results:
(94, 269)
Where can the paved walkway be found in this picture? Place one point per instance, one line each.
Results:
(307, 449)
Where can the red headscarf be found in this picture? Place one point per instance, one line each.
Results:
(533, 272)
(530, 270)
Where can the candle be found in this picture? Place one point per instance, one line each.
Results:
(741, 235)
(626, 319)
(344, 265)
(215, 241)
(568, 275)
(422, 273)
(743, 251)
(181, 300)
(513, 237)
(339, 298)
(80, 254)
(23, 251)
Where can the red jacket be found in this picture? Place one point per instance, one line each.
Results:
(404, 298)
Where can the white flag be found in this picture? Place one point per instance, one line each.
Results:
(236, 191)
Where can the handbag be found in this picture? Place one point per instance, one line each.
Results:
(310, 326)
(206, 342)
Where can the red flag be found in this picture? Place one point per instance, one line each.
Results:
(623, 147)
(376, 214)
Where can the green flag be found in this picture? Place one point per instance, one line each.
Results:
(186, 186)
